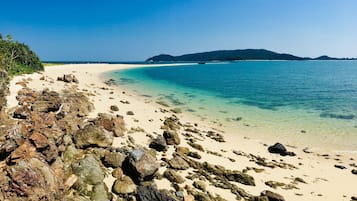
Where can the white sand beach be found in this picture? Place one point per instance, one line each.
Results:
(306, 176)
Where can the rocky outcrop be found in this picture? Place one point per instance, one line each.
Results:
(53, 151)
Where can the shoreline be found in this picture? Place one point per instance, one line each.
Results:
(263, 130)
(148, 115)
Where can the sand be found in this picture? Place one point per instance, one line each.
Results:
(323, 180)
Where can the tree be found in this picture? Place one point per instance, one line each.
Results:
(0, 36)
(9, 37)
(18, 58)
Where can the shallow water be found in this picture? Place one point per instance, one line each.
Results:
(308, 101)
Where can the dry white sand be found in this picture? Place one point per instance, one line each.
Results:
(323, 180)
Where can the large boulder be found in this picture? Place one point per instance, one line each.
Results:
(92, 136)
(90, 178)
(150, 193)
(88, 170)
(141, 165)
(34, 180)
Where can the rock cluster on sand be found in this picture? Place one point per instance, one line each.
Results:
(51, 150)
(68, 78)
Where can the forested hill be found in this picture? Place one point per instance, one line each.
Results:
(17, 58)
(231, 55)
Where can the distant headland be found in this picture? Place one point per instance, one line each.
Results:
(233, 55)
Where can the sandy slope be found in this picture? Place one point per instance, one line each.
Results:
(323, 180)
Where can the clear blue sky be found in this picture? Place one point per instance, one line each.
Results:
(132, 30)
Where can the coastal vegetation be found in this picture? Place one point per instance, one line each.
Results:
(17, 58)
(233, 55)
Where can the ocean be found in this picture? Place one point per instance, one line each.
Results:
(310, 103)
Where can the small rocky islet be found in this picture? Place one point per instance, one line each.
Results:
(51, 150)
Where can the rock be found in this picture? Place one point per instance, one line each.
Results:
(182, 150)
(40, 141)
(70, 181)
(354, 171)
(75, 104)
(124, 185)
(215, 136)
(239, 177)
(129, 113)
(88, 170)
(140, 165)
(173, 177)
(100, 193)
(231, 175)
(150, 193)
(260, 198)
(48, 101)
(178, 163)
(196, 146)
(24, 151)
(92, 136)
(110, 82)
(200, 185)
(272, 196)
(354, 198)
(22, 112)
(113, 159)
(110, 123)
(117, 173)
(114, 108)
(34, 180)
(279, 148)
(194, 154)
(340, 167)
(159, 144)
(179, 194)
(172, 123)
(171, 137)
(68, 78)
(189, 198)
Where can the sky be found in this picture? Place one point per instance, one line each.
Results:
(133, 30)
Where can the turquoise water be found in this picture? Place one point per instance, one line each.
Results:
(315, 100)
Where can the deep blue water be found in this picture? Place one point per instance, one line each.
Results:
(328, 87)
